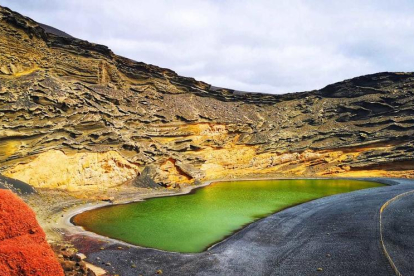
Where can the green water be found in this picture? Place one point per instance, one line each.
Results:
(193, 222)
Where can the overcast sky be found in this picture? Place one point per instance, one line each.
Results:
(265, 46)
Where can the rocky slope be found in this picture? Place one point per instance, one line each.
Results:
(76, 116)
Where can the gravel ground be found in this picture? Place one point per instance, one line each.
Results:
(398, 233)
(16, 186)
(336, 235)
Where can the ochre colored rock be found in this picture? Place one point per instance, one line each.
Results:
(75, 116)
(23, 247)
(74, 172)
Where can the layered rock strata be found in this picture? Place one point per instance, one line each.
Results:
(75, 116)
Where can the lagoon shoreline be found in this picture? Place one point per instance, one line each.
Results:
(99, 245)
(65, 222)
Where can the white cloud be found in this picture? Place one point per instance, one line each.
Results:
(263, 45)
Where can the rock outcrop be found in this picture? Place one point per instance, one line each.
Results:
(23, 247)
(76, 116)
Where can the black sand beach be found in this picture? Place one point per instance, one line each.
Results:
(336, 235)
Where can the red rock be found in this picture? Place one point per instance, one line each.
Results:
(23, 247)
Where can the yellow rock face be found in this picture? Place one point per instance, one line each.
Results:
(74, 172)
(92, 172)
(173, 174)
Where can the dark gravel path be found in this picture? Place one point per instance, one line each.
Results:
(398, 233)
(16, 186)
(337, 235)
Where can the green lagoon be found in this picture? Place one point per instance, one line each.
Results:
(195, 221)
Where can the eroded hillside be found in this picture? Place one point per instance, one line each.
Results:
(76, 116)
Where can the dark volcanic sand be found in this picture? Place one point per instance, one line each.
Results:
(337, 235)
(15, 185)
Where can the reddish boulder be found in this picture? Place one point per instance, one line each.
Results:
(23, 247)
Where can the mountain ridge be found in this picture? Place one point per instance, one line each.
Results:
(77, 117)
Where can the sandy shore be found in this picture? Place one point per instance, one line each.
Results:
(61, 208)
(64, 218)
(65, 215)
(338, 234)
(54, 209)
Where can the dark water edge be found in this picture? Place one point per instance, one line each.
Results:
(113, 222)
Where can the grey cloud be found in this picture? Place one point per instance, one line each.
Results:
(267, 46)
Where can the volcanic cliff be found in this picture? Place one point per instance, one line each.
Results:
(77, 117)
